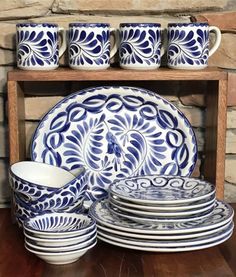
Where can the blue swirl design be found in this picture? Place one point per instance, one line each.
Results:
(188, 48)
(89, 48)
(162, 188)
(115, 132)
(141, 47)
(37, 48)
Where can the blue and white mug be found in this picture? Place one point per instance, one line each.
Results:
(90, 47)
(188, 45)
(38, 45)
(140, 46)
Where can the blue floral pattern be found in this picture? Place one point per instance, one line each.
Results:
(87, 47)
(115, 132)
(189, 48)
(37, 48)
(140, 46)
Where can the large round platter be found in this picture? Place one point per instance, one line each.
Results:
(163, 237)
(169, 243)
(200, 204)
(221, 215)
(154, 189)
(165, 249)
(182, 214)
(115, 133)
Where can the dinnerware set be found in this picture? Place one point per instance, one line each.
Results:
(60, 238)
(124, 155)
(140, 45)
(162, 214)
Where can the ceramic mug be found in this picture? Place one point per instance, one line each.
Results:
(89, 45)
(140, 46)
(188, 45)
(38, 45)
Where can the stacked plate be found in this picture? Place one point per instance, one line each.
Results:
(165, 214)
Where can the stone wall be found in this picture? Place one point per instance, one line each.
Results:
(189, 99)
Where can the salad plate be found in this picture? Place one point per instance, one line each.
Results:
(165, 249)
(162, 237)
(156, 219)
(163, 208)
(115, 133)
(181, 214)
(168, 243)
(154, 189)
(221, 215)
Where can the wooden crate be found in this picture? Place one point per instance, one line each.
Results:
(216, 107)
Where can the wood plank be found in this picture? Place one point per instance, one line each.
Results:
(214, 169)
(113, 74)
(16, 116)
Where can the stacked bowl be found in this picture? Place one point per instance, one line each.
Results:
(39, 187)
(162, 214)
(58, 237)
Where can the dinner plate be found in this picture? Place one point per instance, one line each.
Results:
(181, 214)
(163, 237)
(163, 208)
(155, 220)
(168, 243)
(165, 249)
(115, 133)
(221, 215)
(154, 189)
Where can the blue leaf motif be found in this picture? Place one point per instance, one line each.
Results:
(59, 121)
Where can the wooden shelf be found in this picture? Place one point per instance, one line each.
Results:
(216, 107)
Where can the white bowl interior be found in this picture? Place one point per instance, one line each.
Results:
(42, 174)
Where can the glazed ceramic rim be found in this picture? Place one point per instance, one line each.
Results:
(140, 25)
(62, 249)
(147, 201)
(68, 214)
(166, 249)
(62, 253)
(44, 165)
(59, 239)
(80, 24)
(190, 24)
(140, 230)
(31, 24)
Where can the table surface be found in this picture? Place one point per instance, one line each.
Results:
(111, 261)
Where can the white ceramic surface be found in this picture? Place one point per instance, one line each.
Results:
(156, 189)
(61, 257)
(165, 249)
(164, 236)
(221, 215)
(57, 242)
(164, 208)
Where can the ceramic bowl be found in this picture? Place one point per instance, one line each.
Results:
(56, 249)
(33, 180)
(61, 257)
(23, 210)
(59, 225)
(58, 242)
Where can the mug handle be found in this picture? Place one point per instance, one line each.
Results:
(217, 32)
(63, 46)
(115, 33)
(163, 41)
